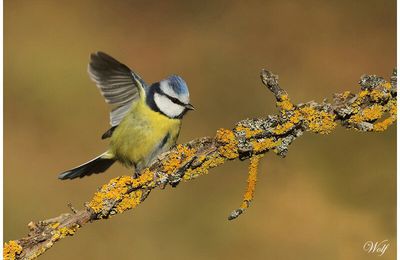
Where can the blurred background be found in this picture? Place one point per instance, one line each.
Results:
(324, 201)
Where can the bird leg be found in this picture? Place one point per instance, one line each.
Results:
(136, 172)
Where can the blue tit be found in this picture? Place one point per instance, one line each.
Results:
(145, 120)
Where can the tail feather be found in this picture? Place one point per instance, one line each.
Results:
(96, 165)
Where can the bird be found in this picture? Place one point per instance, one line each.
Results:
(145, 119)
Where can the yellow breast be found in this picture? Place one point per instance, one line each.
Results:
(137, 139)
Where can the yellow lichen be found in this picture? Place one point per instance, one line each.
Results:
(201, 158)
(281, 129)
(117, 188)
(63, 232)
(373, 112)
(114, 190)
(357, 118)
(146, 178)
(229, 147)
(265, 144)
(318, 121)
(346, 94)
(11, 250)
(356, 104)
(376, 111)
(368, 114)
(55, 225)
(286, 126)
(296, 117)
(177, 157)
(382, 126)
(251, 182)
(129, 201)
(387, 85)
(247, 131)
(284, 103)
(392, 109)
(377, 95)
(363, 94)
(210, 162)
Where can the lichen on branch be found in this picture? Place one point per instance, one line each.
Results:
(372, 109)
(250, 188)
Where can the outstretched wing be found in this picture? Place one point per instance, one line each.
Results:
(118, 84)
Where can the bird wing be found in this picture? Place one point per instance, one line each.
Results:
(118, 84)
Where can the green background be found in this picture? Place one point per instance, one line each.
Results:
(324, 201)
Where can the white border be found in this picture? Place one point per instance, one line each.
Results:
(1, 122)
(397, 137)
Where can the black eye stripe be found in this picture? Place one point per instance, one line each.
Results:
(174, 100)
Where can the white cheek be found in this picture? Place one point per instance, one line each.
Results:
(167, 90)
(167, 106)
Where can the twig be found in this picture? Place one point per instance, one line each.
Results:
(250, 189)
(373, 109)
(72, 208)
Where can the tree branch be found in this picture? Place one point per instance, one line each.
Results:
(372, 109)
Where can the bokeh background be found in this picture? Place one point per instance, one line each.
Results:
(324, 201)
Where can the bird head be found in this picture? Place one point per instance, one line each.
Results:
(171, 97)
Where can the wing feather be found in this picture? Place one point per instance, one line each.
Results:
(118, 84)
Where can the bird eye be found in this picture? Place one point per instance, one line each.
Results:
(175, 100)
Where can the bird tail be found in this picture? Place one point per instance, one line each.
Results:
(96, 165)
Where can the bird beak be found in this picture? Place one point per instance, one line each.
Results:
(189, 107)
